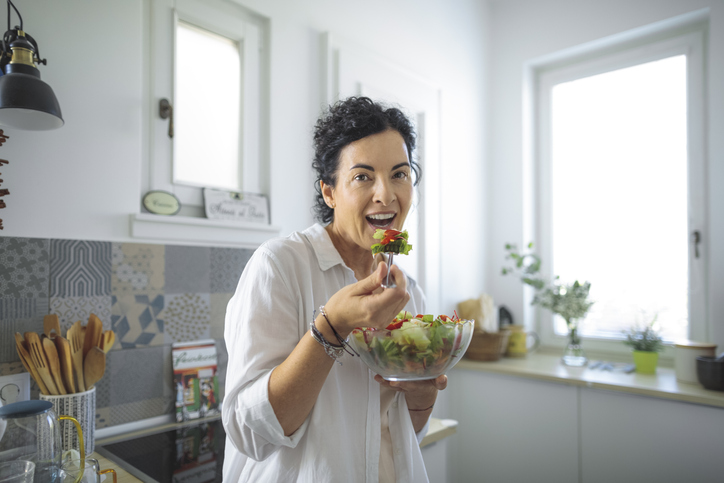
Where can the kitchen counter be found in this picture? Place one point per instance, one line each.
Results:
(548, 367)
(438, 430)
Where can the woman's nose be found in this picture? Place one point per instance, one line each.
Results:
(384, 193)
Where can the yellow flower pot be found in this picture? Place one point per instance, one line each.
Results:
(645, 361)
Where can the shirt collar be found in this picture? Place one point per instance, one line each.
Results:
(327, 254)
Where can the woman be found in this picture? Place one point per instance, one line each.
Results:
(291, 413)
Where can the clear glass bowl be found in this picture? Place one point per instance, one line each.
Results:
(414, 353)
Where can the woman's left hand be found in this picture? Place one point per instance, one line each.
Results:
(418, 394)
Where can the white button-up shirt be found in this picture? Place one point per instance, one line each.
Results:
(284, 282)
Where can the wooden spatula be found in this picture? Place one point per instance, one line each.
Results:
(51, 323)
(66, 363)
(93, 334)
(94, 366)
(76, 353)
(28, 362)
(51, 354)
(37, 355)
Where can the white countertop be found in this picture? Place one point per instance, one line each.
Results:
(548, 367)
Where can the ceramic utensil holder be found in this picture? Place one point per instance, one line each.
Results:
(82, 406)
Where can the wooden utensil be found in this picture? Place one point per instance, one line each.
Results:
(94, 366)
(51, 323)
(107, 341)
(51, 354)
(37, 355)
(66, 363)
(28, 363)
(93, 334)
(76, 353)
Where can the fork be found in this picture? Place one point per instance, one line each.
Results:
(41, 363)
(75, 337)
(386, 283)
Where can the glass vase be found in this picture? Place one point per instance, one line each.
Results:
(574, 354)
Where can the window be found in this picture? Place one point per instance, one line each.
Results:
(619, 190)
(209, 60)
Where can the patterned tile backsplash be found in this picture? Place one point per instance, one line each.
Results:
(150, 295)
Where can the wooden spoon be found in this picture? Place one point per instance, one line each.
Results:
(37, 355)
(66, 362)
(76, 353)
(51, 354)
(51, 323)
(93, 334)
(28, 363)
(94, 366)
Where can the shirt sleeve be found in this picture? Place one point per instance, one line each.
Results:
(261, 330)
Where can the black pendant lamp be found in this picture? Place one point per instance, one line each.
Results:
(26, 102)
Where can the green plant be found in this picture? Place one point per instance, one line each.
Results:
(646, 339)
(570, 301)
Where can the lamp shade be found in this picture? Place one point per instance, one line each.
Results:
(26, 102)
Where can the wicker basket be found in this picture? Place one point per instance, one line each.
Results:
(487, 346)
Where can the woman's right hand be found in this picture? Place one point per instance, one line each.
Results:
(366, 303)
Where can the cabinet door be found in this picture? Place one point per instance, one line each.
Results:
(512, 429)
(628, 438)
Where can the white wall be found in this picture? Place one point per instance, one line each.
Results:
(83, 180)
(522, 30)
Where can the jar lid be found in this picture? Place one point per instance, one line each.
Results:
(691, 344)
(23, 409)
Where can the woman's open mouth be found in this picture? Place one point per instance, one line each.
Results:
(381, 220)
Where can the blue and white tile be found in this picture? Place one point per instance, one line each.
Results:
(24, 267)
(226, 267)
(219, 301)
(187, 317)
(71, 309)
(137, 320)
(137, 268)
(80, 268)
(187, 269)
(126, 367)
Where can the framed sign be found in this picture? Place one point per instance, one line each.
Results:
(161, 203)
(230, 205)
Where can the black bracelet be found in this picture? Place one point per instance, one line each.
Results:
(342, 341)
(426, 409)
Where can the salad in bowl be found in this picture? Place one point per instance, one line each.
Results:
(413, 347)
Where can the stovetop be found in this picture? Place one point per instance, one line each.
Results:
(190, 453)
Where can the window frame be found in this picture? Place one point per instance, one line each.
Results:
(684, 35)
(251, 33)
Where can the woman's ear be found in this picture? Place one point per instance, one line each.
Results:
(328, 194)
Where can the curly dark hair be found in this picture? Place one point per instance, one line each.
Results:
(348, 121)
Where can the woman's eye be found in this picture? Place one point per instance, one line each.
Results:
(400, 175)
(361, 177)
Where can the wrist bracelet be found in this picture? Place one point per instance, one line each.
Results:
(426, 409)
(333, 351)
(345, 345)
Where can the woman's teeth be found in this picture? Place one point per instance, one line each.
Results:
(380, 220)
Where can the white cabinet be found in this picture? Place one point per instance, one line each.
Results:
(512, 430)
(516, 429)
(629, 438)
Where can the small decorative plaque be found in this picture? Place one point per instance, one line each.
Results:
(161, 203)
(229, 205)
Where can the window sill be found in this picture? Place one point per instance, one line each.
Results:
(201, 230)
(548, 367)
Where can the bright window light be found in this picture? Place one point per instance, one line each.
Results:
(207, 109)
(619, 195)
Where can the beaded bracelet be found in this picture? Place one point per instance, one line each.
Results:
(345, 345)
(426, 409)
(333, 351)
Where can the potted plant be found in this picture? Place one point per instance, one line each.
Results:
(646, 344)
(570, 301)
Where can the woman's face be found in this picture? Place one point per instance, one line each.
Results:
(373, 190)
